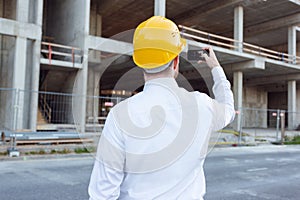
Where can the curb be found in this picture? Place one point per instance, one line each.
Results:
(48, 157)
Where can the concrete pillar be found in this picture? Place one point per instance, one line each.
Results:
(238, 27)
(39, 12)
(1, 48)
(292, 104)
(22, 10)
(80, 87)
(19, 73)
(19, 68)
(93, 93)
(292, 41)
(160, 8)
(96, 30)
(36, 68)
(238, 98)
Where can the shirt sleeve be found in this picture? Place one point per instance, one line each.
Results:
(223, 104)
(107, 174)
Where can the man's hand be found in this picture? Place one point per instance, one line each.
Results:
(211, 59)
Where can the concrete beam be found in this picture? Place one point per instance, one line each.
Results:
(21, 29)
(111, 6)
(258, 63)
(109, 45)
(160, 8)
(295, 2)
(272, 24)
(199, 11)
(272, 79)
(61, 63)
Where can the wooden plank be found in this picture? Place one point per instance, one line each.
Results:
(58, 141)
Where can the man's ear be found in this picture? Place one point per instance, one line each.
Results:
(176, 62)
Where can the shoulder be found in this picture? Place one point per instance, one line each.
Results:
(201, 95)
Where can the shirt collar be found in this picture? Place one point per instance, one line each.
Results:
(169, 82)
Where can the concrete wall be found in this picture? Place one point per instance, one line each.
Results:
(68, 88)
(65, 21)
(298, 107)
(65, 24)
(276, 100)
(8, 9)
(254, 98)
(7, 43)
(6, 75)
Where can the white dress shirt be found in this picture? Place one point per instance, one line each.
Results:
(153, 144)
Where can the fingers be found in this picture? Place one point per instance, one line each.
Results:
(211, 59)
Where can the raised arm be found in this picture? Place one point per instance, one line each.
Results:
(223, 103)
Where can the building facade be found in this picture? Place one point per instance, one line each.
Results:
(58, 56)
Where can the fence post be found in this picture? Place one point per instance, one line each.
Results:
(16, 109)
(256, 124)
(277, 124)
(282, 115)
(50, 53)
(241, 125)
(73, 60)
(118, 100)
(13, 150)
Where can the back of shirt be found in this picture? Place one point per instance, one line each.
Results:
(154, 144)
(166, 162)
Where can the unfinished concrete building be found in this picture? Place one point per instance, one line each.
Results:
(66, 62)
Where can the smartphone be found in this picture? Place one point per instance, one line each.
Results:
(196, 55)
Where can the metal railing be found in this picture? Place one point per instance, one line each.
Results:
(230, 43)
(52, 51)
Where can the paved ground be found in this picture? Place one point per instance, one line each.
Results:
(47, 179)
(248, 173)
(269, 172)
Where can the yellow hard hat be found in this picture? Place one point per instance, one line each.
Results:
(156, 42)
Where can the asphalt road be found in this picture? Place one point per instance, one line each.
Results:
(232, 173)
(254, 173)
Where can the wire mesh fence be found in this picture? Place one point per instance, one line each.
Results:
(269, 124)
(19, 109)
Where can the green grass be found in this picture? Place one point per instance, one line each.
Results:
(293, 140)
(64, 151)
(55, 151)
(84, 150)
(232, 132)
